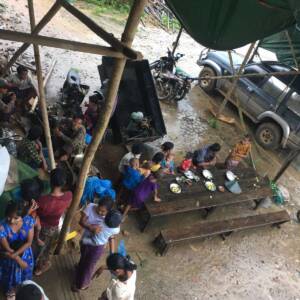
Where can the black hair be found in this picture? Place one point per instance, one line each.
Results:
(13, 207)
(247, 136)
(113, 219)
(158, 157)
(35, 132)
(78, 116)
(21, 69)
(116, 261)
(215, 147)
(166, 146)
(97, 97)
(107, 202)
(31, 188)
(58, 178)
(136, 149)
(189, 155)
(7, 98)
(29, 292)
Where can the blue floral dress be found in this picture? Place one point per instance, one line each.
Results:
(11, 274)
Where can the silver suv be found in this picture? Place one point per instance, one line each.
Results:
(272, 103)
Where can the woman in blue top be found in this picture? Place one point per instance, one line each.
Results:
(16, 263)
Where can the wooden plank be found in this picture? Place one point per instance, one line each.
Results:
(58, 43)
(186, 205)
(43, 22)
(204, 229)
(108, 37)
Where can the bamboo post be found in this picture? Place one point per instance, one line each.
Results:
(233, 86)
(42, 99)
(292, 49)
(231, 61)
(254, 52)
(43, 22)
(177, 40)
(127, 38)
(293, 155)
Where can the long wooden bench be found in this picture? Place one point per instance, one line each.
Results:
(170, 237)
(204, 200)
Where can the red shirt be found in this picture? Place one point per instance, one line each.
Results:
(51, 208)
(186, 164)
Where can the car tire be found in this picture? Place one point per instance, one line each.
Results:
(208, 85)
(269, 135)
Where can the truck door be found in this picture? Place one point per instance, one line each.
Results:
(268, 96)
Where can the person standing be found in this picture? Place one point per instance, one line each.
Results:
(51, 208)
(240, 151)
(123, 281)
(101, 225)
(16, 263)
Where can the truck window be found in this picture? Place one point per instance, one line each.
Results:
(293, 103)
(254, 70)
(274, 87)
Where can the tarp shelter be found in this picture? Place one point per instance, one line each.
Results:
(229, 24)
(279, 44)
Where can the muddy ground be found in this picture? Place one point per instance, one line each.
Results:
(258, 264)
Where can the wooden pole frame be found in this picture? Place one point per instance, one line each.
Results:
(42, 98)
(58, 43)
(177, 40)
(114, 82)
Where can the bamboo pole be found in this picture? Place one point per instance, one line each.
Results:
(43, 22)
(127, 38)
(108, 37)
(233, 86)
(58, 43)
(42, 99)
(177, 40)
(292, 49)
(293, 155)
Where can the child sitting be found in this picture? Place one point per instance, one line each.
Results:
(156, 161)
(142, 192)
(168, 164)
(186, 163)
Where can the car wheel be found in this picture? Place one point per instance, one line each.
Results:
(208, 85)
(269, 135)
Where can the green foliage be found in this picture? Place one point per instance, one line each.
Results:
(121, 6)
(213, 122)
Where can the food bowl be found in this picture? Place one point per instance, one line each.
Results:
(207, 174)
(175, 188)
(230, 176)
(210, 186)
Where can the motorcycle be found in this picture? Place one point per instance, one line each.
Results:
(170, 81)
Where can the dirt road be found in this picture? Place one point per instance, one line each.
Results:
(260, 265)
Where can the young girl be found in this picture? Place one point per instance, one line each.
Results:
(100, 224)
(168, 164)
(142, 192)
(16, 263)
(156, 162)
(186, 163)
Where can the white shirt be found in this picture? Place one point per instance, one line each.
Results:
(27, 282)
(21, 84)
(125, 160)
(93, 218)
(118, 290)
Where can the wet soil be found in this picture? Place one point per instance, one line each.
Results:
(259, 264)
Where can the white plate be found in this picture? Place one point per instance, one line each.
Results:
(230, 176)
(207, 174)
(189, 174)
(175, 188)
(210, 186)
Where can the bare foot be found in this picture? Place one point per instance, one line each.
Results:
(157, 200)
(40, 242)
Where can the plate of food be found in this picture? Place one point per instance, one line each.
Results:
(175, 188)
(230, 176)
(210, 186)
(189, 174)
(207, 174)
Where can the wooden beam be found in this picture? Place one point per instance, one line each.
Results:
(44, 21)
(108, 37)
(292, 156)
(233, 86)
(42, 98)
(292, 48)
(177, 40)
(58, 43)
(102, 123)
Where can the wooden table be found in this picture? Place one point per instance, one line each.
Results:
(197, 197)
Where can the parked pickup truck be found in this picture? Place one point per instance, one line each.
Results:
(271, 102)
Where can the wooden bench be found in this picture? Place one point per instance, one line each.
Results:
(170, 237)
(204, 200)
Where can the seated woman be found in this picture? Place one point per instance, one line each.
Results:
(16, 234)
(30, 150)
